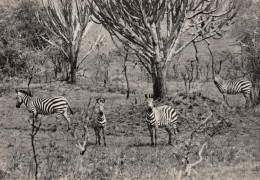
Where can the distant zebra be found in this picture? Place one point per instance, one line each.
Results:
(44, 106)
(98, 120)
(233, 87)
(149, 95)
(162, 116)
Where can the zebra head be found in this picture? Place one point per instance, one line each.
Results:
(21, 96)
(99, 109)
(149, 102)
(217, 78)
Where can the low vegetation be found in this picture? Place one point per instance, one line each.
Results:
(224, 142)
(81, 60)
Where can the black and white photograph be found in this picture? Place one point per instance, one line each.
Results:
(130, 89)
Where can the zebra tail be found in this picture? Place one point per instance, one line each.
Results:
(251, 98)
(69, 107)
(71, 110)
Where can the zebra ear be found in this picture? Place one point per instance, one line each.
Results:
(146, 96)
(16, 91)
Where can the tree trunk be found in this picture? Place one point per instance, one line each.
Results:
(73, 64)
(159, 82)
(126, 77)
(73, 70)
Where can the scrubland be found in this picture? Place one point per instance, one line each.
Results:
(226, 139)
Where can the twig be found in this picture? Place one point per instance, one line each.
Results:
(83, 146)
(201, 124)
(33, 134)
(189, 166)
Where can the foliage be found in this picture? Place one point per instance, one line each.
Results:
(247, 33)
(231, 137)
(68, 22)
(21, 46)
(154, 29)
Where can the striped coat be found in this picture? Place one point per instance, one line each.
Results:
(162, 116)
(44, 106)
(233, 87)
(98, 120)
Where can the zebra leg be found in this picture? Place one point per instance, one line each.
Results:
(65, 115)
(104, 137)
(247, 99)
(170, 135)
(155, 136)
(96, 133)
(35, 118)
(151, 134)
(225, 99)
(175, 130)
(31, 119)
(99, 137)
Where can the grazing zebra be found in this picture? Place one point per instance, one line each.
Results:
(233, 87)
(162, 116)
(98, 120)
(44, 106)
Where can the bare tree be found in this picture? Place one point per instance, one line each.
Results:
(153, 29)
(188, 76)
(67, 22)
(126, 75)
(207, 71)
(246, 31)
(197, 60)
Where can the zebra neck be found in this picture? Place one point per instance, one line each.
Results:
(26, 100)
(150, 116)
(219, 81)
(101, 118)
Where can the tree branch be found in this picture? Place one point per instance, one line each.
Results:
(190, 166)
(56, 45)
(98, 41)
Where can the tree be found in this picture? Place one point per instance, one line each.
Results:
(67, 23)
(246, 31)
(19, 32)
(154, 28)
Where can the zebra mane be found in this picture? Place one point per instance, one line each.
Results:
(25, 92)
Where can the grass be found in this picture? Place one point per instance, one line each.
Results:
(232, 136)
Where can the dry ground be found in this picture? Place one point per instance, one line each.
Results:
(232, 136)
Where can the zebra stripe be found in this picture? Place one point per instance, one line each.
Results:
(167, 116)
(44, 106)
(162, 116)
(149, 95)
(233, 87)
(99, 120)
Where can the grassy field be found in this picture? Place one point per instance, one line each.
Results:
(231, 138)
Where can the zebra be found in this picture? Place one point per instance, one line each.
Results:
(233, 87)
(162, 116)
(44, 106)
(98, 120)
(149, 95)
